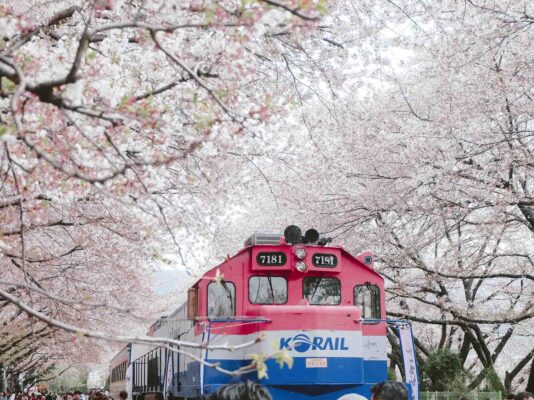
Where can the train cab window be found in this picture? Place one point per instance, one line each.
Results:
(221, 299)
(267, 290)
(322, 291)
(368, 298)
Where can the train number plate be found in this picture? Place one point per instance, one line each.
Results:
(271, 259)
(324, 260)
(316, 363)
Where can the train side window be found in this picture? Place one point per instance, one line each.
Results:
(368, 298)
(322, 291)
(221, 299)
(153, 378)
(267, 290)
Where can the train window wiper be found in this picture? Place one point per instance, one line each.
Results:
(271, 286)
(316, 287)
(228, 294)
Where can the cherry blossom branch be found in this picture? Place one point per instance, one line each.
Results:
(54, 20)
(158, 28)
(82, 332)
(233, 116)
(519, 366)
(160, 90)
(470, 276)
(16, 118)
(447, 307)
(71, 301)
(295, 11)
(162, 342)
(57, 375)
(430, 321)
(14, 344)
(18, 125)
(253, 366)
(411, 108)
(95, 179)
(31, 278)
(166, 343)
(114, 119)
(462, 320)
(52, 224)
(267, 181)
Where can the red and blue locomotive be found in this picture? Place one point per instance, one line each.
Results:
(319, 303)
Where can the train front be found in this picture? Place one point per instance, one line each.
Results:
(315, 308)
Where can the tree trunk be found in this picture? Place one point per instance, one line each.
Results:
(530, 383)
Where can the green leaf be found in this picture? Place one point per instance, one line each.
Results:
(203, 121)
(211, 13)
(322, 7)
(91, 55)
(8, 84)
(283, 357)
(6, 129)
(258, 362)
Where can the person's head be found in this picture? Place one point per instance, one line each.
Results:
(510, 396)
(77, 394)
(524, 396)
(389, 390)
(123, 395)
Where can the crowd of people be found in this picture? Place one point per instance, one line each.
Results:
(388, 390)
(520, 396)
(70, 395)
(391, 390)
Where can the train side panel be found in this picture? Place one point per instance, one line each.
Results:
(117, 372)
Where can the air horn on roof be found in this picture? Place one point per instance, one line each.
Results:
(293, 235)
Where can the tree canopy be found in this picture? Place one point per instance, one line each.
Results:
(136, 135)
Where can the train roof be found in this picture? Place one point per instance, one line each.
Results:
(278, 240)
(119, 353)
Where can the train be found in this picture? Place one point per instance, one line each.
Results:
(292, 294)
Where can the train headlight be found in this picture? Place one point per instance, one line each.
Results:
(300, 266)
(300, 253)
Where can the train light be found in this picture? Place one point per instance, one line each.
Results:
(293, 234)
(300, 253)
(300, 266)
(311, 236)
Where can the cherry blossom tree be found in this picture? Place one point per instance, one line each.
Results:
(130, 129)
(115, 117)
(421, 150)
(435, 175)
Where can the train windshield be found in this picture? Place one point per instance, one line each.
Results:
(322, 291)
(267, 290)
(221, 299)
(368, 298)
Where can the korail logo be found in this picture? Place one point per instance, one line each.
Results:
(302, 343)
